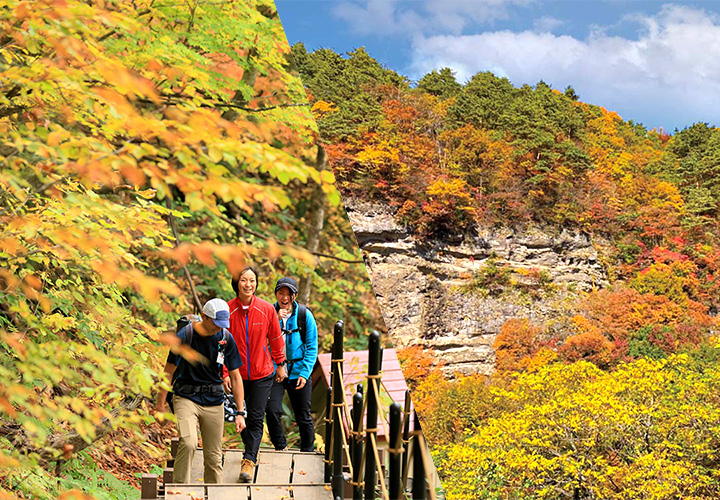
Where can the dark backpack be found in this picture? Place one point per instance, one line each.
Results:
(301, 320)
(183, 322)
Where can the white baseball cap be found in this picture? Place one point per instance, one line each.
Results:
(219, 311)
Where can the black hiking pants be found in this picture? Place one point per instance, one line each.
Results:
(300, 402)
(257, 393)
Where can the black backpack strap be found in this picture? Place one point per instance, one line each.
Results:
(189, 334)
(184, 322)
(188, 341)
(302, 321)
(277, 310)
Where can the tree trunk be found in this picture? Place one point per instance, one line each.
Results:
(316, 220)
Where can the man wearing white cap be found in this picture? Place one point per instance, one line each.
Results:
(199, 393)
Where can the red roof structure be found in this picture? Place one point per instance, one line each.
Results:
(392, 387)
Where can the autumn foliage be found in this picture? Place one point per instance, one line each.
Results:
(517, 340)
(142, 143)
(644, 430)
(416, 363)
(616, 397)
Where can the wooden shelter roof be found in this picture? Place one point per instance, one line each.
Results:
(355, 367)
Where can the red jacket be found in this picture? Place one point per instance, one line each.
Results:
(264, 328)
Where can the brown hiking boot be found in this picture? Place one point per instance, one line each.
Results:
(247, 468)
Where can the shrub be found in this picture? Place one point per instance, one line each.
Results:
(517, 339)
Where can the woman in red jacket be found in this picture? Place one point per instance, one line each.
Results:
(254, 324)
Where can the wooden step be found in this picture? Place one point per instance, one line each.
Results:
(248, 492)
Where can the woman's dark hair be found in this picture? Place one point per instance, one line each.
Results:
(235, 281)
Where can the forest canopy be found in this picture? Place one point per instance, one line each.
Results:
(145, 145)
(616, 396)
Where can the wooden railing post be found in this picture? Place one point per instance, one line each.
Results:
(351, 442)
(406, 434)
(328, 435)
(418, 489)
(396, 448)
(357, 444)
(372, 415)
(174, 443)
(337, 364)
(167, 476)
(149, 487)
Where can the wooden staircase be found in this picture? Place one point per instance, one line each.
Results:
(279, 475)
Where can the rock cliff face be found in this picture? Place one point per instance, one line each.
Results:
(445, 295)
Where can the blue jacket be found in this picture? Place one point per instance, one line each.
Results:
(301, 357)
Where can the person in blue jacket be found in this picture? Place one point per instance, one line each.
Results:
(301, 346)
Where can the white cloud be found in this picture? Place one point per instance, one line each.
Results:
(454, 16)
(393, 17)
(671, 67)
(383, 17)
(547, 24)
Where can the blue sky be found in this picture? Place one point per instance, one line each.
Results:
(657, 63)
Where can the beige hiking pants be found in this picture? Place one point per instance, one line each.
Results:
(211, 419)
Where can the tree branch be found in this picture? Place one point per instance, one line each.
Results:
(215, 105)
(316, 222)
(110, 33)
(259, 110)
(38, 191)
(11, 110)
(168, 202)
(249, 78)
(266, 237)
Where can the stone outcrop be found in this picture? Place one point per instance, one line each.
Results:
(429, 291)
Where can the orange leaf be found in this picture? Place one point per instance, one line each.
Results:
(33, 281)
(154, 65)
(10, 246)
(204, 254)
(21, 11)
(170, 339)
(133, 174)
(273, 250)
(72, 495)
(7, 408)
(13, 340)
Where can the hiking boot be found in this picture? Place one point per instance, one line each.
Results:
(247, 468)
(281, 449)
